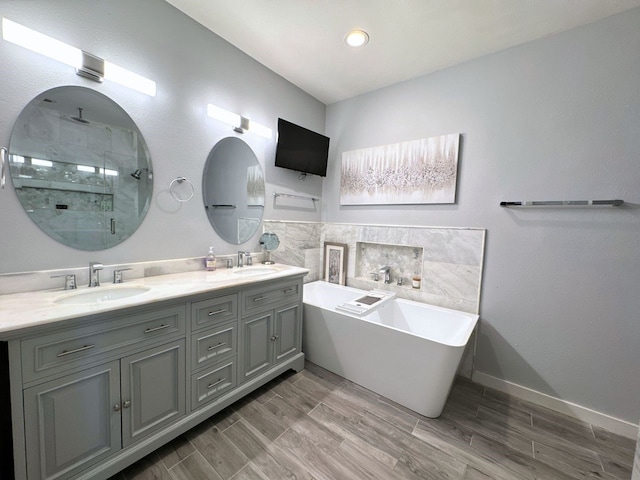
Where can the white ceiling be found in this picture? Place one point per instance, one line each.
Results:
(303, 40)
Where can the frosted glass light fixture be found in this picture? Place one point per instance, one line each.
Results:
(86, 65)
(239, 123)
(357, 38)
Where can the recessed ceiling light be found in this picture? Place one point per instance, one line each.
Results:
(357, 38)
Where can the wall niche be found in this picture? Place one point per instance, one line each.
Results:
(405, 261)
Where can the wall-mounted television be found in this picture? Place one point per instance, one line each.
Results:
(301, 149)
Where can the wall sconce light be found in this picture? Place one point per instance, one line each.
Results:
(239, 123)
(86, 64)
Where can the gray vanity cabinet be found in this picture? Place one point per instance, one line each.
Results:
(214, 345)
(79, 419)
(256, 349)
(153, 390)
(271, 327)
(70, 422)
(287, 332)
(92, 395)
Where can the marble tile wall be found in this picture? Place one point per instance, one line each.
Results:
(299, 245)
(451, 261)
(451, 258)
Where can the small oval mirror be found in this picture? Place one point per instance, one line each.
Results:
(80, 168)
(233, 190)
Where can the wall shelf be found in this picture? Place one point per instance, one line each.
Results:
(290, 195)
(564, 203)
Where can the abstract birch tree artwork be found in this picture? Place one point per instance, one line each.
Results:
(414, 172)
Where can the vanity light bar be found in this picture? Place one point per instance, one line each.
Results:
(240, 123)
(50, 47)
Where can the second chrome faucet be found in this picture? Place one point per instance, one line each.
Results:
(244, 258)
(94, 274)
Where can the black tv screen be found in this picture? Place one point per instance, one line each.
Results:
(301, 149)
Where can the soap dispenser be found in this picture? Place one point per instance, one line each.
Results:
(210, 260)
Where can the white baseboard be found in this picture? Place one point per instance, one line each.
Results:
(615, 425)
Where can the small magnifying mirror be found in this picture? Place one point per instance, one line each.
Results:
(269, 241)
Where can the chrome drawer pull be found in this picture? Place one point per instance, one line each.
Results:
(213, 347)
(258, 299)
(290, 290)
(217, 312)
(161, 327)
(214, 384)
(64, 353)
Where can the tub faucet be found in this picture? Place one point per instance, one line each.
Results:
(94, 274)
(386, 272)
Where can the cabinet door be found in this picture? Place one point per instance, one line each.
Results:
(153, 390)
(287, 332)
(72, 422)
(256, 346)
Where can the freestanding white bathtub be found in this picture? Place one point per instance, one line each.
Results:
(406, 351)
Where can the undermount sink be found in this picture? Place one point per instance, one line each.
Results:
(251, 271)
(101, 294)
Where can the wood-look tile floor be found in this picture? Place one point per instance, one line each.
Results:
(314, 425)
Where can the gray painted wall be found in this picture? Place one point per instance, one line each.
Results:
(555, 119)
(192, 67)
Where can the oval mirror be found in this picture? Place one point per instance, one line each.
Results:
(233, 190)
(80, 167)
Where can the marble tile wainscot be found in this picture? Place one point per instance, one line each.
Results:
(451, 257)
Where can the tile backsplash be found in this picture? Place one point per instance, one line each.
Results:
(450, 259)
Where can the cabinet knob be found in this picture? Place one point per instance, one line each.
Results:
(274, 338)
(126, 404)
(116, 407)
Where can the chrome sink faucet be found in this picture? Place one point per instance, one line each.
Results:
(94, 273)
(386, 273)
(240, 258)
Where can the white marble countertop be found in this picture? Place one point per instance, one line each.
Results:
(29, 309)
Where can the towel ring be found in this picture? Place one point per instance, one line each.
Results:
(180, 180)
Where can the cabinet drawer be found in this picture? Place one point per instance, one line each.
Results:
(214, 345)
(216, 310)
(210, 384)
(257, 299)
(71, 348)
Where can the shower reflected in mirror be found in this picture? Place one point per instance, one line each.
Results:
(80, 168)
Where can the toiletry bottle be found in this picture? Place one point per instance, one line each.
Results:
(210, 260)
(415, 281)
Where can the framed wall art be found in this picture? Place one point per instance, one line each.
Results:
(335, 263)
(415, 172)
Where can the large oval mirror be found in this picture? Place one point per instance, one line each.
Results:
(80, 168)
(233, 190)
